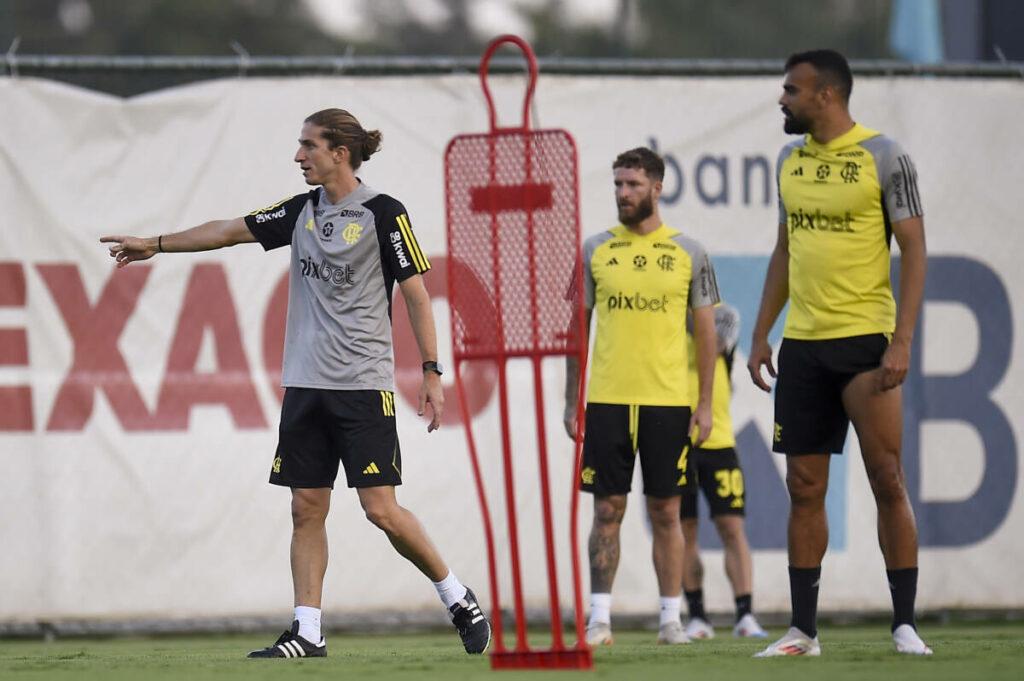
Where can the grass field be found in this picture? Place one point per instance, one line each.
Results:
(989, 652)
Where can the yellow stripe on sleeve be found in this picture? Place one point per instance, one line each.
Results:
(422, 264)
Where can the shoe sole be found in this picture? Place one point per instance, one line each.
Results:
(803, 653)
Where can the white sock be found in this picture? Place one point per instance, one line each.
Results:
(600, 608)
(450, 590)
(670, 609)
(309, 623)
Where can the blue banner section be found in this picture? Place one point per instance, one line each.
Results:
(967, 398)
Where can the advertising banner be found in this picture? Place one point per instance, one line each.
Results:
(139, 407)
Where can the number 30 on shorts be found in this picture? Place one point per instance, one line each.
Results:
(730, 482)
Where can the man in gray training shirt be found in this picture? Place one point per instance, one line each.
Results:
(350, 244)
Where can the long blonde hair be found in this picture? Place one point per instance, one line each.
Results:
(341, 129)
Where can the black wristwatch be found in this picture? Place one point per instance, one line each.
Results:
(433, 366)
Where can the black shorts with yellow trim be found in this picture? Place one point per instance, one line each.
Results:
(616, 433)
(719, 476)
(809, 414)
(321, 429)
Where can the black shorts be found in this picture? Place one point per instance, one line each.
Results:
(616, 432)
(809, 413)
(720, 478)
(320, 428)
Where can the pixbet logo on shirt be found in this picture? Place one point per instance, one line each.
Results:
(339, 275)
(396, 243)
(820, 221)
(637, 302)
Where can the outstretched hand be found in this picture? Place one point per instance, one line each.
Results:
(128, 249)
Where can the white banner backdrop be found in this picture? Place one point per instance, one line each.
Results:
(138, 409)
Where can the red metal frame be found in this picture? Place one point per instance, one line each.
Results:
(558, 656)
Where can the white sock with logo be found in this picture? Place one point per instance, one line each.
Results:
(670, 608)
(450, 590)
(309, 623)
(600, 609)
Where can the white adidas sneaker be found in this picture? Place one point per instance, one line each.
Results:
(795, 642)
(749, 627)
(908, 642)
(672, 634)
(599, 634)
(699, 629)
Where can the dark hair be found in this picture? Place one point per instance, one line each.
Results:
(832, 68)
(341, 129)
(644, 159)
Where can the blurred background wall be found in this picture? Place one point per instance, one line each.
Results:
(921, 31)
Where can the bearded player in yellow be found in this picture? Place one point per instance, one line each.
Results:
(641, 277)
(844, 191)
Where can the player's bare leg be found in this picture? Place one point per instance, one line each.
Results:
(877, 417)
(604, 541)
(667, 552)
(667, 544)
(693, 568)
(403, 530)
(309, 544)
(698, 626)
(807, 482)
(603, 547)
(409, 538)
(732, 530)
(309, 565)
(737, 552)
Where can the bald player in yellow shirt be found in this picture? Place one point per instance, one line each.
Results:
(641, 277)
(844, 191)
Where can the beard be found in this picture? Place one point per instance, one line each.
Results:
(630, 216)
(792, 125)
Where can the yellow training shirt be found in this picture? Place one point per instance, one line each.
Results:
(640, 287)
(838, 202)
(727, 332)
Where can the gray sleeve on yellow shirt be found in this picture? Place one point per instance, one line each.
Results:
(589, 246)
(703, 285)
(897, 176)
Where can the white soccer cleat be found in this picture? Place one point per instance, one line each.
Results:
(908, 642)
(599, 634)
(748, 627)
(795, 642)
(699, 629)
(672, 634)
